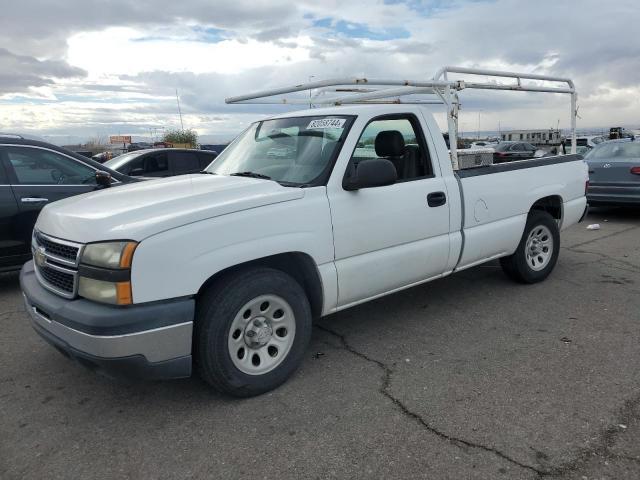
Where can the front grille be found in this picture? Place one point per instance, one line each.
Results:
(56, 263)
(57, 249)
(57, 279)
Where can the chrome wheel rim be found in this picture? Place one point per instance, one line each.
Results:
(539, 248)
(261, 334)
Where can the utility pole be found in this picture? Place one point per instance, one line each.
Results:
(310, 77)
(479, 124)
(179, 111)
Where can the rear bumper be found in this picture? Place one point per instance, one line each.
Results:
(622, 200)
(150, 341)
(613, 195)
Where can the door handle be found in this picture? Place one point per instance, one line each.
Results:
(436, 199)
(34, 200)
(591, 171)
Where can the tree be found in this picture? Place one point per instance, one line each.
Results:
(181, 136)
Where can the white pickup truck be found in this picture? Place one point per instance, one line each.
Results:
(303, 215)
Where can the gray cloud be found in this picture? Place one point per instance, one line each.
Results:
(594, 43)
(20, 72)
(41, 28)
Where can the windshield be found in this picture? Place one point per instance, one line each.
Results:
(116, 163)
(296, 150)
(615, 151)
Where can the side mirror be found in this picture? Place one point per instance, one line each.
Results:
(103, 179)
(376, 172)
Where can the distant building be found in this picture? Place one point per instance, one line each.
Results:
(535, 137)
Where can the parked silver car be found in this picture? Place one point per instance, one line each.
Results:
(614, 173)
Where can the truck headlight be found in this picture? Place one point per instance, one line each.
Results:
(109, 254)
(105, 272)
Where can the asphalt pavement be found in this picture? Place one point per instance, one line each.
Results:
(469, 377)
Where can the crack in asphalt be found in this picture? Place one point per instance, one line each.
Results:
(384, 390)
(603, 256)
(607, 437)
(603, 237)
(632, 268)
(627, 457)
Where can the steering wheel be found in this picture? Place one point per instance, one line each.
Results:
(57, 176)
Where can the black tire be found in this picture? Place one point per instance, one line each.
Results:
(216, 309)
(516, 266)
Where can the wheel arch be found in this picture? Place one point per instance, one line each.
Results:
(299, 265)
(552, 204)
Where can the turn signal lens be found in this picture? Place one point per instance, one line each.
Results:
(124, 296)
(127, 254)
(635, 170)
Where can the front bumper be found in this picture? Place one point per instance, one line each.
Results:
(150, 341)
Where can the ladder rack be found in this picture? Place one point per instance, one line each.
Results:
(438, 90)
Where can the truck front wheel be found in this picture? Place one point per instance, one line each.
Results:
(252, 329)
(537, 251)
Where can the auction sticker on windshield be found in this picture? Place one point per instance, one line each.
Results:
(326, 123)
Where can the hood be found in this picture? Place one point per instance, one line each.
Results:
(138, 210)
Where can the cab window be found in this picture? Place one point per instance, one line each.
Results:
(151, 164)
(206, 159)
(184, 162)
(397, 139)
(156, 163)
(36, 166)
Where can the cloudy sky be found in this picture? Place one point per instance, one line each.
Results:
(76, 69)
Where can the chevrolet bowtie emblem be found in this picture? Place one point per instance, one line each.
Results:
(39, 256)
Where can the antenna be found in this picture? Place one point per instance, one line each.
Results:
(179, 111)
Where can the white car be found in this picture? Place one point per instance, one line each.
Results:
(590, 140)
(227, 269)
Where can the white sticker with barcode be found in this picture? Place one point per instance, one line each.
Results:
(326, 123)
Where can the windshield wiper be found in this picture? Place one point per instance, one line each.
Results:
(251, 174)
(209, 173)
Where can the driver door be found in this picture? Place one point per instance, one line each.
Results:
(387, 238)
(39, 176)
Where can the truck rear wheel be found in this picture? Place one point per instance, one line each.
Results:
(252, 330)
(537, 251)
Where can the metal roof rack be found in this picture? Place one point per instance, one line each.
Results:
(439, 90)
(11, 135)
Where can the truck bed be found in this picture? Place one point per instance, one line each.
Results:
(496, 199)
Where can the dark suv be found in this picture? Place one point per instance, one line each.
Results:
(33, 174)
(162, 162)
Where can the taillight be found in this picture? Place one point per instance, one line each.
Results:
(635, 170)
